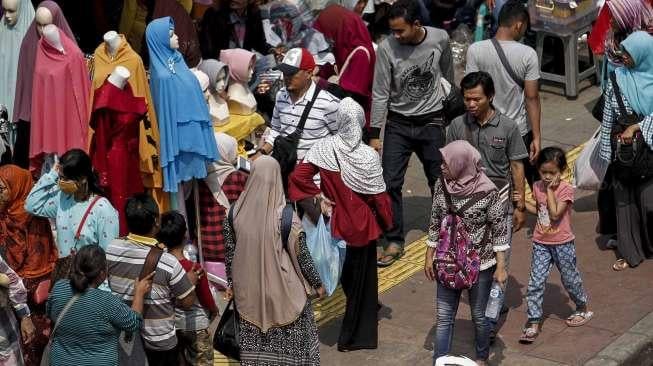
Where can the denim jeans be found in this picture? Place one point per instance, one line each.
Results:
(447, 301)
(401, 139)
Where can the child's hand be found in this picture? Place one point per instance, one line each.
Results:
(516, 197)
(554, 183)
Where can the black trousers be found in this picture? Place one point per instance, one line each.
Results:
(21, 148)
(400, 141)
(359, 282)
(162, 358)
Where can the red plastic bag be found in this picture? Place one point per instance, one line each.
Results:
(596, 39)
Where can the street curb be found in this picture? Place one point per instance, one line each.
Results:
(633, 348)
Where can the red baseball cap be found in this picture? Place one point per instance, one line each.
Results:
(297, 59)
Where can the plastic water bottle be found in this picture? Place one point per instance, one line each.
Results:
(493, 307)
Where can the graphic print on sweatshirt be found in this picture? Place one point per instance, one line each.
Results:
(418, 81)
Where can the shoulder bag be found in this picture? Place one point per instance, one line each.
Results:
(285, 147)
(335, 79)
(45, 358)
(506, 65)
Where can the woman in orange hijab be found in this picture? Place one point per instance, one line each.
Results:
(27, 245)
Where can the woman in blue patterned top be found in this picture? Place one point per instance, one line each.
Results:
(88, 332)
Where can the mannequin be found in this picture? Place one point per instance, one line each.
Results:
(218, 74)
(51, 35)
(119, 77)
(241, 68)
(113, 42)
(11, 12)
(43, 18)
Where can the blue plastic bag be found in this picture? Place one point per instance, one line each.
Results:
(328, 253)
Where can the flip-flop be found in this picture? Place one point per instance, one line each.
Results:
(393, 258)
(529, 334)
(620, 265)
(585, 315)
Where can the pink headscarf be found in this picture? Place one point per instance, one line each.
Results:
(239, 61)
(27, 59)
(464, 164)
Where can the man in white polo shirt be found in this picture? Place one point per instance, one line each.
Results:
(297, 68)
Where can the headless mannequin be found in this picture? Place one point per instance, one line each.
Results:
(241, 99)
(11, 11)
(218, 107)
(113, 41)
(43, 18)
(119, 77)
(52, 36)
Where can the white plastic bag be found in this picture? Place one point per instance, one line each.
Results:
(590, 168)
(328, 253)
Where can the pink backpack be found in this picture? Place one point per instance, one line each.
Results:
(456, 261)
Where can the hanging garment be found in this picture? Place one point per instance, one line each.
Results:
(116, 118)
(187, 141)
(189, 44)
(132, 23)
(60, 100)
(10, 39)
(148, 148)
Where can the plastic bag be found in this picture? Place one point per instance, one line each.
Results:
(590, 168)
(328, 253)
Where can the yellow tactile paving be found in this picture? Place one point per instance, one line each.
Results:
(411, 263)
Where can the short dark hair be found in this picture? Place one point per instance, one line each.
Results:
(474, 79)
(407, 9)
(173, 229)
(141, 212)
(552, 154)
(511, 12)
(88, 264)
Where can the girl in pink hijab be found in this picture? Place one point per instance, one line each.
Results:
(466, 190)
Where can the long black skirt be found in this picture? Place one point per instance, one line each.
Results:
(634, 207)
(360, 284)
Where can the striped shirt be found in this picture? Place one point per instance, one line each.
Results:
(610, 114)
(320, 123)
(125, 260)
(88, 333)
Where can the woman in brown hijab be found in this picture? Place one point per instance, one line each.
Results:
(27, 245)
(270, 283)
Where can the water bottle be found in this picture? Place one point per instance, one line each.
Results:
(495, 301)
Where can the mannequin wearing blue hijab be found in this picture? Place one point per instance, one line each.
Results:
(187, 141)
(636, 82)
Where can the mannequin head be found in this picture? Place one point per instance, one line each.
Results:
(119, 77)
(218, 74)
(174, 40)
(221, 82)
(52, 36)
(43, 17)
(112, 40)
(12, 12)
(241, 64)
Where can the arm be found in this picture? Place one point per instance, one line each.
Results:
(534, 111)
(205, 297)
(557, 203)
(517, 171)
(301, 184)
(106, 223)
(121, 316)
(181, 286)
(275, 127)
(437, 213)
(18, 299)
(306, 262)
(471, 65)
(43, 200)
(380, 91)
(499, 235)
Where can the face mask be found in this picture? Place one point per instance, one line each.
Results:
(68, 187)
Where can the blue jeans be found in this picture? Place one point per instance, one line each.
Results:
(447, 301)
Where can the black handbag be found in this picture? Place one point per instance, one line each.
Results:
(597, 110)
(285, 147)
(226, 339)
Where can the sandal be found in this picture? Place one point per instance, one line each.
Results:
(620, 265)
(389, 258)
(530, 333)
(585, 317)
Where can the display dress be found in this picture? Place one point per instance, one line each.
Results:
(60, 99)
(10, 39)
(187, 141)
(149, 142)
(24, 80)
(114, 147)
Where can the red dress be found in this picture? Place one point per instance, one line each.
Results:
(114, 148)
(357, 218)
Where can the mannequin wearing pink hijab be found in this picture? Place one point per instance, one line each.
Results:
(241, 68)
(60, 98)
(462, 170)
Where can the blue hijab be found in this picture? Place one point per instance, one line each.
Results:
(187, 141)
(636, 83)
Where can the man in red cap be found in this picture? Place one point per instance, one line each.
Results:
(300, 93)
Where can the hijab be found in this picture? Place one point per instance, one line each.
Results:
(27, 60)
(636, 83)
(218, 171)
(267, 287)
(239, 61)
(359, 165)
(189, 44)
(10, 39)
(212, 69)
(631, 16)
(465, 166)
(292, 22)
(183, 114)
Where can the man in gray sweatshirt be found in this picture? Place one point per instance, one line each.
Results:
(408, 95)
